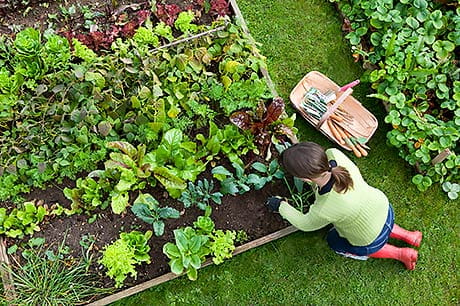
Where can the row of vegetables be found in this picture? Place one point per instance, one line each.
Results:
(139, 117)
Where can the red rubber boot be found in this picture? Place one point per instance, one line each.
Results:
(407, 256)
(413, 238)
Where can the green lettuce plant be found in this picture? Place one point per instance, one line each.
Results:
(120, 257)
(88, 195)
(222, 245)
(188, 252)
(22, 220)
(184, 22)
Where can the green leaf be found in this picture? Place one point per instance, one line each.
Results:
(221, 173)
(195, 261)
(123, 146)
(119, 202)
(168, 179)
(417, 179)
(169, 212)
(171, 250)
(158, 228)
(260, 167)
(192, 274)
(176, 266)
(181, 240)
(452, 195)
(143, 212)
(195, 244)
(96, 78)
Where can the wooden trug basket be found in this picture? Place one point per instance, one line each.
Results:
(364, 122)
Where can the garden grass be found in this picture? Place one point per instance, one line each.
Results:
(297, 37)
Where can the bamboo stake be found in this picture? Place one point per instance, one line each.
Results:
(5, 271)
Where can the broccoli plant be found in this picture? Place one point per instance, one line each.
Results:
(273, 170)
(231, 184)
(147, 208)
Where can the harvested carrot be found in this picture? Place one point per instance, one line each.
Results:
(353, 147)
(336, 117)
(348, 141)
(340, 130)
(335, 133)
(356, 144)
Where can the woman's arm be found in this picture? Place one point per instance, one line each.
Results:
(310, 221)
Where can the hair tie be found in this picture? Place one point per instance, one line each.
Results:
(332, 164)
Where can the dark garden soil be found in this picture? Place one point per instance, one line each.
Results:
(243, 212)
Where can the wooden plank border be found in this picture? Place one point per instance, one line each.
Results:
(5, 271)
(169, 276)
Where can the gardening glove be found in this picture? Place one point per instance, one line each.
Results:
(273, 203)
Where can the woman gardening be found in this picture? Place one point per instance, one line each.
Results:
(362, 216)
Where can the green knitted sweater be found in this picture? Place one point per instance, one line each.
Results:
(358, 215)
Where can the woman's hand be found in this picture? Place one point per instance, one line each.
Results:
(274, 203)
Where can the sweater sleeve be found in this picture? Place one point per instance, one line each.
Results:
(310, 221)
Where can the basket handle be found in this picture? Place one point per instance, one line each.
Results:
(332, 109)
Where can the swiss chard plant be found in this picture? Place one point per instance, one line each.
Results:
(147, 208)
(129, 170)
(265, 122)
(175, 161)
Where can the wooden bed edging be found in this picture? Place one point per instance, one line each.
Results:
(5, 271)
(169, 276)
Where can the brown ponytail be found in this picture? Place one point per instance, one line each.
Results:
(342, 178)
(308, 160)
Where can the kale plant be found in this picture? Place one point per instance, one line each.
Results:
(200, 194)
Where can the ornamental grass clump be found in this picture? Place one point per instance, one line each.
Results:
(44, 281)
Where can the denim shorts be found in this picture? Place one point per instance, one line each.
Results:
(341, 245)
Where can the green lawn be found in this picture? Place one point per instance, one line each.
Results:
(297, 37)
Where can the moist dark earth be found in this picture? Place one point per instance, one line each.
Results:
(243, 212)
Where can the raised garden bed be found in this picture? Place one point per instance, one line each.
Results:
(245, 211)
